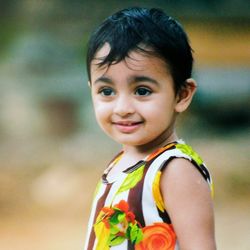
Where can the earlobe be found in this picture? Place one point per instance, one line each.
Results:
(185, 95)
(89, 84)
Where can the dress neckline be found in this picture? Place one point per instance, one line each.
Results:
(108, 179)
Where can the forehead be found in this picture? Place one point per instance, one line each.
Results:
(102, 52)
(137, 60)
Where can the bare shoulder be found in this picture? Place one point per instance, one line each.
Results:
(187, 198)
(181, 174)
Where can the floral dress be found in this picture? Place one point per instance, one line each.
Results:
(128, 211)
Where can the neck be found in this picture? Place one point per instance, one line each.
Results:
(141, 151)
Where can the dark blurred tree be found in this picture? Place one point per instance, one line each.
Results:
(8, 23)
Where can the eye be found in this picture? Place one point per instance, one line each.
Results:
(106, 91)
(143, 91)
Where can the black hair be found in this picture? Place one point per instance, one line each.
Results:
(130, 28)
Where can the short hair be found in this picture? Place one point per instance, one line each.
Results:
(128, 29)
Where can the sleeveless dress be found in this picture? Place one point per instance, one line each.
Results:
(128, 211)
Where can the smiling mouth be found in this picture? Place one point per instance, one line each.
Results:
(126, 123)
(127, 126)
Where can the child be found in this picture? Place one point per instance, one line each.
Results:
(156, 193)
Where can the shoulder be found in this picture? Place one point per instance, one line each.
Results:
(182, 186)
(184, 162)
(187, 197)
(181, 173)
(186, 194)
(180, 165)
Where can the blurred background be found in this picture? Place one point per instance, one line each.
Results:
(51, 151)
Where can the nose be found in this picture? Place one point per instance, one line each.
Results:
(124, 105)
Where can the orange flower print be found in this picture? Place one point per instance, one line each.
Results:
(123, 206)
(159, 236)
(117, 224)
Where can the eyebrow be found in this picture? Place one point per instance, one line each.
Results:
(138, 79)
(133, 79)
(103, 79)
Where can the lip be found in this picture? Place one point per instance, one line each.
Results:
(127, 126)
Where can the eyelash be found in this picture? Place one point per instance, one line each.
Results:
(140, 91)
(106, 89)
(144, 89)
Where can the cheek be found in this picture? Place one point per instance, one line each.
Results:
(102, 110)
(157, 108)
(160, 113)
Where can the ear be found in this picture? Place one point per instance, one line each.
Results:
(185, 95)
(89, 84)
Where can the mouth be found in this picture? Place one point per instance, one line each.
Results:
(127, 123)
(127, 126)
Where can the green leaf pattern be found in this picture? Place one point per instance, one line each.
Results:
(186, 149)
(132, 179)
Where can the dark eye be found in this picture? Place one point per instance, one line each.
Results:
(106, 91)
(142, 91)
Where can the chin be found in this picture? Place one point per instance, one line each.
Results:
(132, 143)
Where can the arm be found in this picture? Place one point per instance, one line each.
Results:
(188, 201)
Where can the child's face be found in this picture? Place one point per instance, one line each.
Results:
(134, 100)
